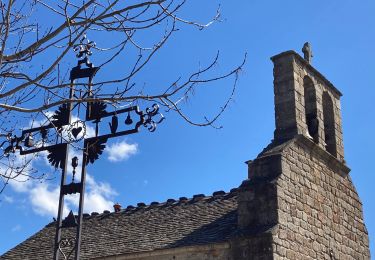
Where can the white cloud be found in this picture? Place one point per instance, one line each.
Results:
(44, 120)
(44, 200)
(98, 197)
(97, 202)
(21, 184)
(8, 199)
(16, 228)
(44, 196)
(121, 151)
(18, 179)
(99, 187)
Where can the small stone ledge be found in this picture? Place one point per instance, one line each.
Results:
(332, 162)
(257, 230)
(267, 167)
(275, 150)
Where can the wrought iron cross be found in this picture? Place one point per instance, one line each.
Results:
(67, 132)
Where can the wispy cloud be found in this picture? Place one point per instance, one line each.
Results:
(98, 197)
(44, 200)
(20, 184)
(7, 199)
(18, 180)
(121, 151)
(16, 228)
(43, 197)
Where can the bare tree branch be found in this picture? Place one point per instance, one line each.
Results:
(34, 64)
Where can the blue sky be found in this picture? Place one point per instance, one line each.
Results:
(182, 160)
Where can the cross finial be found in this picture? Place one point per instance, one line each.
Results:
(307, 52)
(83, 50)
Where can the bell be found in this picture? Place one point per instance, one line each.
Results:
(29, 141)
(128, 120)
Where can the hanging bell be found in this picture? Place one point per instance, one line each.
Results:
(29, 141)
(128, 120)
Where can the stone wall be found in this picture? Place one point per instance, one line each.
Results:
(204, 252)
(319, 211)
(244, 247)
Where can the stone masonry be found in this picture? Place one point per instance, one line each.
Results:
(300, 185)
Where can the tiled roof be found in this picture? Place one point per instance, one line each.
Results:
(175, 223)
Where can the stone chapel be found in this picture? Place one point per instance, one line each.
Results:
(298, 202)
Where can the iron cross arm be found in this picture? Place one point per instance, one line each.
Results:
(67, 133)
(94, 146)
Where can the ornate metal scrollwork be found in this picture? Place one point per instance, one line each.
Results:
(66, 247)
(76, 131)
(149, 121)
(14, 144)
(61, 117)
(83, 49)
(95, 147)
(97, 110)
(56, 155)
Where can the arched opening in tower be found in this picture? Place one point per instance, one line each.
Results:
(310, 109)
(329, 124)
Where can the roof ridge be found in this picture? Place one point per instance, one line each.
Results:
(141, 205)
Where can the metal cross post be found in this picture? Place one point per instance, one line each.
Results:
(67, 133)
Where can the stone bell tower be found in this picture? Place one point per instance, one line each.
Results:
(306, 103)
(299, 201)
